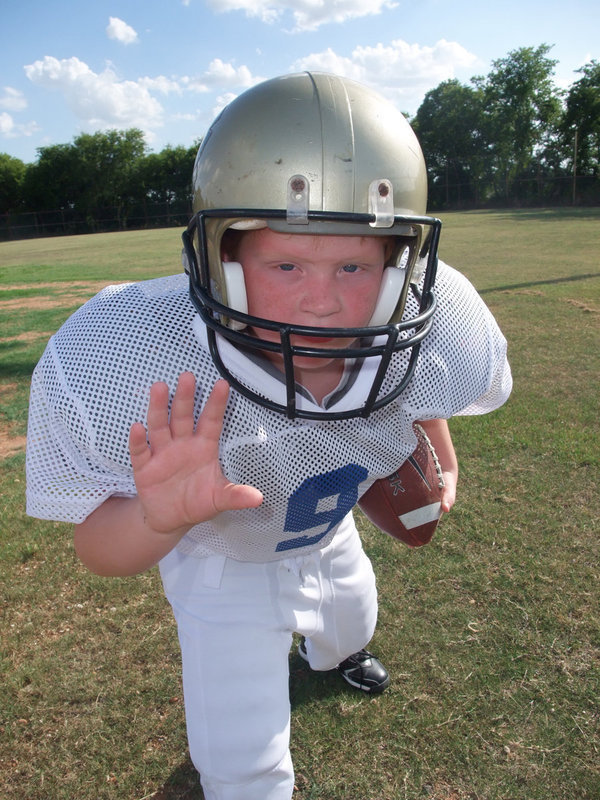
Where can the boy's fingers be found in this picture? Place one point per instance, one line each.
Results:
(138, 446)
(238, 496)
(448, 494)
(162, 429)
(182, 408)
(159, 433)
(210, 422)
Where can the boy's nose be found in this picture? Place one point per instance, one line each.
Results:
(319, 297)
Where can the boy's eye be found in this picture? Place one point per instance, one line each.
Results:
(350, 267)
(286, 267)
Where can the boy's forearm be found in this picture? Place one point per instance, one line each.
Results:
(116, 541)
(439, 434)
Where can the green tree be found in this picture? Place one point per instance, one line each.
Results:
(582, 119)
(522, 113)
(12, 174)
(449, 126)
(108, 165)
(54, 181)
(166, 177)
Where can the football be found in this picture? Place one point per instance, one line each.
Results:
(407, 504)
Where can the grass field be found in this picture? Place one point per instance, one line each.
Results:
(491, 633)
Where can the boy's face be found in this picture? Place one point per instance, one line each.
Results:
(318, 281)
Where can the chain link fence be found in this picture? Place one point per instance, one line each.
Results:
(67, 222)
(443, 196)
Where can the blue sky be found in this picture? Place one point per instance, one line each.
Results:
(168, 66)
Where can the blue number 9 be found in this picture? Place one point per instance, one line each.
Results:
(322, 500)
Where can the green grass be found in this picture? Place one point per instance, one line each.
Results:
(110, 257)
(491, 633)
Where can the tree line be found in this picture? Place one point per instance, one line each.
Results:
(100, 181)
(509, 138)
(512, 137)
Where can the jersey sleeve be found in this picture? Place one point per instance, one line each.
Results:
(91, 384)
(66, 477)
(499, 375)
(463, 367)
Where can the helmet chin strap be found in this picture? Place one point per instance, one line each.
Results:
(392, 282)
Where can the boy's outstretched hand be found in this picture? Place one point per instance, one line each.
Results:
(176, 462)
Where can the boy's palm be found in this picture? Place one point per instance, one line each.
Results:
(176, 466)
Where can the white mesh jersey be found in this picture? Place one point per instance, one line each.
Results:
(94, 378)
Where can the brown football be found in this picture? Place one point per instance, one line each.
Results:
(406, 504)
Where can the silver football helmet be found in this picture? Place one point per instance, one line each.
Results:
(318, 154)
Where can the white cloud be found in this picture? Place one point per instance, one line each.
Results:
(222, 75)
(266, 10)
(120, 31)
(308, 14)
(12, 99)
(160, 84)
(12, 130)
(7, 124)
(104, 100)
(98, 99)
(222, 101)
(329, 61)
(401, 71)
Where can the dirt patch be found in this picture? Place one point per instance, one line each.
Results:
(529, 292)
(8, 388)
(11, 445)
(584, 307)
(62, 301)
(59, 286)
(28, 337)
(441, 791)
(57, 295)
(62, 294)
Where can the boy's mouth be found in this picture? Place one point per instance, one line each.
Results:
(316, 339)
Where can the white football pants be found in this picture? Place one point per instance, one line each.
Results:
(235, 622)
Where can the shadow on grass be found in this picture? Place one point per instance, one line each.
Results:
(308, 686)
(567, 279)
(182, 784)
(17, 370)
(551, 214)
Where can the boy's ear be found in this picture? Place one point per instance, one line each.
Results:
(392, 282)
(235, 287)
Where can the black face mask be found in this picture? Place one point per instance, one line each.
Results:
(382, 342)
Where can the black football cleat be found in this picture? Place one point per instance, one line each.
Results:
(361, 671)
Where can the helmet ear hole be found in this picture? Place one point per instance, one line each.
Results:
(392, 283)
(235, 289)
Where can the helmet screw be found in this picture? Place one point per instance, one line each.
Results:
(298, 185)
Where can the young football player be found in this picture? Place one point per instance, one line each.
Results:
(224, 424)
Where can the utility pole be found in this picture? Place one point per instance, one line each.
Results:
(575, 169)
